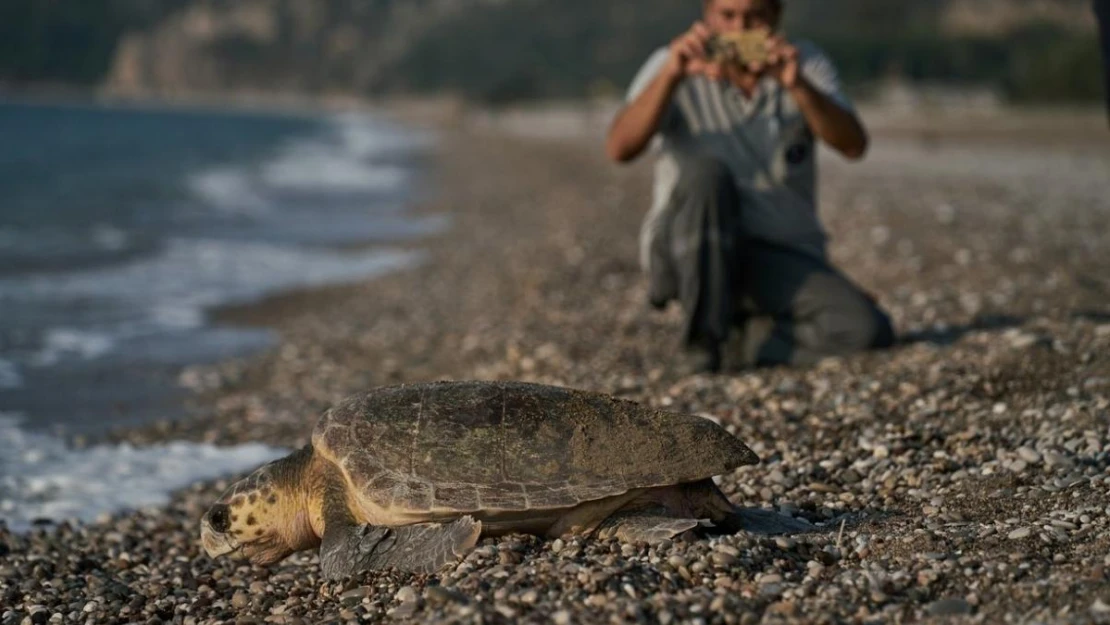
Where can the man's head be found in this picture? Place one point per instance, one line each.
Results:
(724, 16)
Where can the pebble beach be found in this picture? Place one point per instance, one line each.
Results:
(963, 476)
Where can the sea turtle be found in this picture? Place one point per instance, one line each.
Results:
(409, 477)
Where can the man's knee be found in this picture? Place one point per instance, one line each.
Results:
(853, 323)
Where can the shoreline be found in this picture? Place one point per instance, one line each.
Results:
(953, 453)
(1061, 123)
(370, 244)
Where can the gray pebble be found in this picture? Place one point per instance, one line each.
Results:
(949, 607)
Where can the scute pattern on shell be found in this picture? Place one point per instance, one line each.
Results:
(470, 446)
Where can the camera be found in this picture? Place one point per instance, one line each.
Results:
(740, 48)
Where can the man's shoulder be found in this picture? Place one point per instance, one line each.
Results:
(809, 51)
(651, 67)
(819, 68)
(657, 58)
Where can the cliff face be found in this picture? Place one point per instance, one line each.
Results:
(998, 17)
(322, 46)
(517, 48)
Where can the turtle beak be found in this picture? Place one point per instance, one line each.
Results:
(213, 532)
(216, 543)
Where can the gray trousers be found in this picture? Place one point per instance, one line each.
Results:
(760, 303)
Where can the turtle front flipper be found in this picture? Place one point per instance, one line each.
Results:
(424, 548)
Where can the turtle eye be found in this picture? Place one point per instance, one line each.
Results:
(218, 518)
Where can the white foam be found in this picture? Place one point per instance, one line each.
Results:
(9, 375)
(60, 343)
(308, 167)
(173, 290)
(229, 190)
(110, 238)
(364, 137)
(41, 478)
(197, 271)
(339, 159)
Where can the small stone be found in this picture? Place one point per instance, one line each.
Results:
(354, 596)
(406, 594)
(1029, 454)
(729, 549)
(949, 607)
(1020, 533)
(557, 545)
(1100, 607)
(562, 617)
(596, 601)
(240, 600)
(444, 596)
(530, 596)
(1054, 459)
(1025, 340)
(723, 560)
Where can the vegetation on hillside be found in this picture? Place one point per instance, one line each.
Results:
(501, 51)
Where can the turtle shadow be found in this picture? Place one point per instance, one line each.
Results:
(765, 522)
(760, 521)
(952, 334)
(1094, 316)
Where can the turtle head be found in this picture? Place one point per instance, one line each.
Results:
(263, 517)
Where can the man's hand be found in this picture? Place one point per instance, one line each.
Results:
(688, 54)
(782, 62)
(834, 125)
(636, 123)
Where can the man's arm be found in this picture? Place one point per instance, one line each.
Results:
(637, 123)
(832, 123)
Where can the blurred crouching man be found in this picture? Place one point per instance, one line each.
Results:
(733, 232)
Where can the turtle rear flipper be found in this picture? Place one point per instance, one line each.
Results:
(423, 548)
(646, 526)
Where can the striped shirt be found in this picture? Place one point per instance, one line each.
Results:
(764, 140)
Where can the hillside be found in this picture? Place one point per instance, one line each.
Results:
(498, 50)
